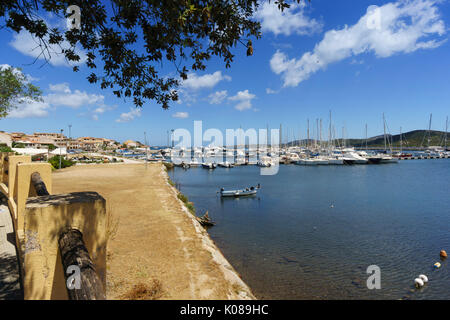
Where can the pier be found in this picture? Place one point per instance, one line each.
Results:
(424, 157)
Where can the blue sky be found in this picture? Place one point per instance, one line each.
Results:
(345, 56)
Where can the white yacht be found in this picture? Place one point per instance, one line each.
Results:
(355, 157)
(194, 163)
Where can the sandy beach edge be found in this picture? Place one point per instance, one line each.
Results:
(229, 273)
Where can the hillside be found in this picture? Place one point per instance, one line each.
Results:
(412, 139)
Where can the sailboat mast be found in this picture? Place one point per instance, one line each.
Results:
(384, 130)
(329, 136)
(299, 137)
(307, 141)
(320, 138)
(446, 129)
(401, 141)
(366, 137)
(281, 135)
(317, 131)
(429, 130)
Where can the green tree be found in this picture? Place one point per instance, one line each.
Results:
(14, 89)
(132, 39)
(54, 161)
(51, 147)
(18, 145)
(4, 148)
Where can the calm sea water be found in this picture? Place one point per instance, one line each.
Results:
(289, 243)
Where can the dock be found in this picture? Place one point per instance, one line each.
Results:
(424, 157)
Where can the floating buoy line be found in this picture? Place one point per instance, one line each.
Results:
(422, 279)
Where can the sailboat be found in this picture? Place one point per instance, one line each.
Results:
(385, 158)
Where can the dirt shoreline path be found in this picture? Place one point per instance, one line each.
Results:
(157, 238)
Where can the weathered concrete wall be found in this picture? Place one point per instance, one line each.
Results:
(39, 221)
(5, 139)
(44, 220)
(26, 189)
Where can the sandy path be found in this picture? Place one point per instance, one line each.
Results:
(156, 237)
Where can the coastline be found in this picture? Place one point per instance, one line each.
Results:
(228, 271)
(157, 238)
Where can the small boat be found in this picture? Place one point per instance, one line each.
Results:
(321, 161)
(355, 158)
(264, 164)
(307, 162)
(209, 166)
(226, 164)
(240, 193)
(335, 160)
(388, 159)
(194, 163)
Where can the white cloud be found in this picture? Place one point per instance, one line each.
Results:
(195, 82)
(7, 66)
(271, 91)
(404, 27)
(217, 97)
(181, 115)
(290, 20)
(30, 109)
(25, 43)
(60, 87)
(244, 99)
(16, 71)
(63, 96)
(101, 110)
(128, 116)
(26, 107)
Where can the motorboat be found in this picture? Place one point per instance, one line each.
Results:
(194, 163)
(307, 162)
(209, 166)
(354, 158)
(388, 159)
(240, 193)
(226, 164)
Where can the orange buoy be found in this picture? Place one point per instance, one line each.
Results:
(443, 254)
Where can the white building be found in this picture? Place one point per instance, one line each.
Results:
(5, 138)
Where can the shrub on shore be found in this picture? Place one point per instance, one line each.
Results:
(187, 203)
(54, 161)
(142, 291)
(168, 165)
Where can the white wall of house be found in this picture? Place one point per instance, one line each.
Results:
(5, 139)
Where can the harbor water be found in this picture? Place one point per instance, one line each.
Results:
(312, 232)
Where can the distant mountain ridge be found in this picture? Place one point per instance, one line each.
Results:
(411, 139)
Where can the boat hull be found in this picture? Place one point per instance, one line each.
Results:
(236, 194)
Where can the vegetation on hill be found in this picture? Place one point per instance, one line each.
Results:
(412, 139)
